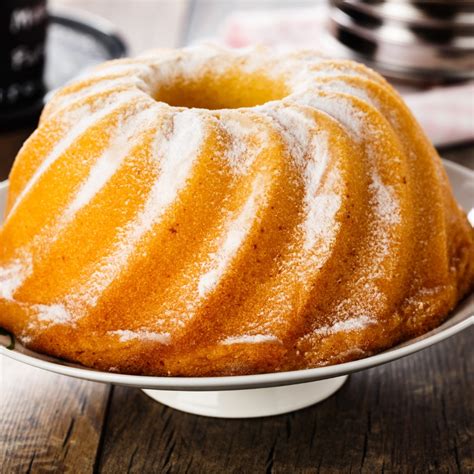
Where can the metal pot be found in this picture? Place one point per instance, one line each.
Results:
(428, 41)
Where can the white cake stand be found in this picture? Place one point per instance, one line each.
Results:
(250, 396)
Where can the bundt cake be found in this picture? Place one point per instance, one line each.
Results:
(204, 211)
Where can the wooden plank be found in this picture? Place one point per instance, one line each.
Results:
(48, 422)
(412, 415)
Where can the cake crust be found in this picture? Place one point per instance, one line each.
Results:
(206, 211)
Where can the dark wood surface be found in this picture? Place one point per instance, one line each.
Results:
(48, 422)
(412, 415)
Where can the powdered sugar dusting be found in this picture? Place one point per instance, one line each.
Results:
(351, 324)
(383, 206)
(341, 86)
(142, 335)
(130, 130)
(387, 216)
(236, 232)
(320, 215)
(386, 205)
(85, 119)
(295, 128)
(384, 202)
(121, 69)
(199, 58)
(321, 209)
(339, 107)
(327, 69)
(65, 101)
(246, 142)
(310, 152)
(53, 313)
(179, 154)
(12, 276)
(250, 339)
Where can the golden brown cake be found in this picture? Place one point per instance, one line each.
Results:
(209, 212)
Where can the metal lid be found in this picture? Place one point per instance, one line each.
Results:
(429, 41)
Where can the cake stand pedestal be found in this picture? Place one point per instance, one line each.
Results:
(250, 403)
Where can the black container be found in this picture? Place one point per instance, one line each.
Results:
(23, 25)
(74, 42)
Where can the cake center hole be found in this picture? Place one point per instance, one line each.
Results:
(230, 91)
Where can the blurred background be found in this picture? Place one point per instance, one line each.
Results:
(425, 48)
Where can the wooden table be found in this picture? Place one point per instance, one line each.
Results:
(413, 415)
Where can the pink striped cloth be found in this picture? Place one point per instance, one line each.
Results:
(445, 113)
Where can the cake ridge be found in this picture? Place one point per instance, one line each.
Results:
(80, 128)
(161, 195)
(49, 233)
